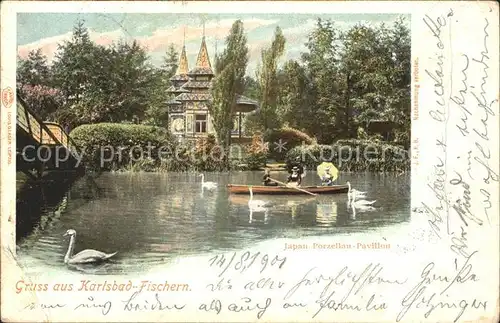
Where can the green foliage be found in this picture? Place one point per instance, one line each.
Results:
(343, 81)
(208, 155)
(43, 100)
(268, 82)
(156, 113)
(170, 63)
(256, 153)
(76, 64)
(129, 147)
(289, 137)
(230, 67)
(296, 97)
(251, 88)
(354, 156)
(115, 83)
(346, 79)
(111, 146)
(33, 70)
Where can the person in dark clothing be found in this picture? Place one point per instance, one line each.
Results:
(294, 178)
(267, 178)
(296, 163)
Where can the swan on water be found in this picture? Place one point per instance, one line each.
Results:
(362, 208)
(83, 257)
(257, 206)
(361, 204)
(209, 185)
(255, 203)
(355, 191)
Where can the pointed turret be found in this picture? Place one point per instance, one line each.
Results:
(203, 66)
(182, 69)
(203, 60)
(183, 63)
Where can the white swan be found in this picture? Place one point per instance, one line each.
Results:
(355, 191)
(85, 256)
(362, 208)
(361, 204)
(209, 185)
(255, 204)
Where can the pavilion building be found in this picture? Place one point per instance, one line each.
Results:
(189, 117)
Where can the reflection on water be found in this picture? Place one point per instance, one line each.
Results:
(326, 214)
(150, 218)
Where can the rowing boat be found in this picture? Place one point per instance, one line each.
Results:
(281, 190)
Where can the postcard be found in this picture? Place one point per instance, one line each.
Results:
(249, 161)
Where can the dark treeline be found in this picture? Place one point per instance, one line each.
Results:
(345, 80)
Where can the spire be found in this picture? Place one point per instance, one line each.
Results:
(203, 60)
(203, 66)
(183, 63)
(182, 69)
(184, 37)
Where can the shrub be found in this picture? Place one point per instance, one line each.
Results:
(208, 156)
(290, 138)
(353, 155)
(115, 146)
(257, 153)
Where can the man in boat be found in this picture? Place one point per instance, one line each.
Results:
(327, 178)
(297, 163)
(294, 179)
(267, 178)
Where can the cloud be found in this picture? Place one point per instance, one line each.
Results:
(158, 41)
(47, 45)
(295, 36)
(162, 37)
(107, 38)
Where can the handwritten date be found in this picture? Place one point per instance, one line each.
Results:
(246, 261)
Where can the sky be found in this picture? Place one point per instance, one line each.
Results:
(157, 31)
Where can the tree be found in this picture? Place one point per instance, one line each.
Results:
(34, 84)
(375, 64)
(45, 101)
(251, 88)
(252, 120)
(74, 65)
(321, 61)
(230, 69)
(399, 103)
(33, 70)
(170, 62)
(157, 113)
(296, 98)
(268, 81)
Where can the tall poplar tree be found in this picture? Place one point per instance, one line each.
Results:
(268, 81)
(230, 67)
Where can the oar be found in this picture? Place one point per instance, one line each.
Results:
(298, 189)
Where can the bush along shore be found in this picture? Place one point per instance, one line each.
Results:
(134, 148)
(354, 156)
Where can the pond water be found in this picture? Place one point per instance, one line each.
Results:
(152, 218)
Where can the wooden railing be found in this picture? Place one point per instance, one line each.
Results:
(45, 133)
